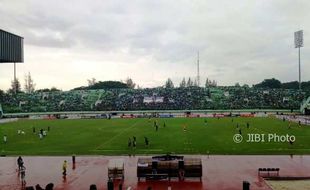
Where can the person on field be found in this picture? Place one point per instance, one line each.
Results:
(48, 128)
(129, 142)
(181, 174)
(5, 139)
(23, 175)
(20, 163)
(146, 140)
(184, 128)
(240, 132)
(134, 144)
(64, 168)
(247, 125)
(33, 130)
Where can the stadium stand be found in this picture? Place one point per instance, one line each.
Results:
(154, 99)
(305, 107)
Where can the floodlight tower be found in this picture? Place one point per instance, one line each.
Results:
(198, 76)
(299, 42)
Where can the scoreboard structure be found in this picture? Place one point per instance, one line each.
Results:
(11, 48)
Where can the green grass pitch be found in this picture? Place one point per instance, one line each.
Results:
(110, 137)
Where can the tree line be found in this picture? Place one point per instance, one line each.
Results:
(189, 83)
(275, 83)
(93, 84)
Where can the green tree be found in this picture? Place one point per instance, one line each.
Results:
(54, 89)
(189, 82)
(183, 83)
(208, 82)
(15, 87)
(29, 84)
(269, 83)
(246, 86)
(91, 81)
(1, 95)
(169, 83)
(130, 83)
(195, 83)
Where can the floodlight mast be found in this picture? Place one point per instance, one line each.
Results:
(198, 74)
(299, 42)
(299, 68)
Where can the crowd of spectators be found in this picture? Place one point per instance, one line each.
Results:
(231, 97)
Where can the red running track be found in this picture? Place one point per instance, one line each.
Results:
(219, 172)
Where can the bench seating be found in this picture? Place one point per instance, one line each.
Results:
(268, 171)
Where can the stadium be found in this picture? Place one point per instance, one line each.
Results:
(117, 135)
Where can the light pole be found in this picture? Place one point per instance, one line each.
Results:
(299, 42)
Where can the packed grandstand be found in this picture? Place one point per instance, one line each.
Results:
(230, 97)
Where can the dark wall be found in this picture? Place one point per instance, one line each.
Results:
(11, 47)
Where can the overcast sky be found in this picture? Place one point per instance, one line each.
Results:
(68, 42)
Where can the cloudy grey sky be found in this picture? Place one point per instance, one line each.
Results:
(68, 42)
